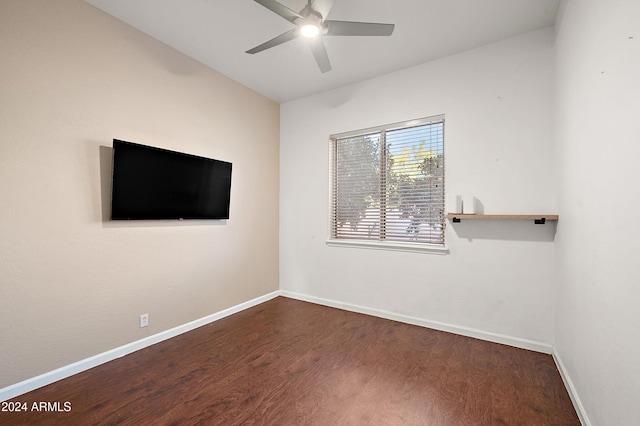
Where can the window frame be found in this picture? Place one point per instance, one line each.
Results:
(423, 247)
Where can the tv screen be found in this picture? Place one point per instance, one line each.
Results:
(154, 183)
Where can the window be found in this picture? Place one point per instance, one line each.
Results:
(387, 186)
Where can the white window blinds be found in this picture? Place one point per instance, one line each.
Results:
(387, 183)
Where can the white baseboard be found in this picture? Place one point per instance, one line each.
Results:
(573, 394)
(436, 325)
(69, 370)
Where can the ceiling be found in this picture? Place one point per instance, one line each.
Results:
(218, 32)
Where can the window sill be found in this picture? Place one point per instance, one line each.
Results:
(393, 246)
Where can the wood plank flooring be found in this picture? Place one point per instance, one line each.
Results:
(287, 362)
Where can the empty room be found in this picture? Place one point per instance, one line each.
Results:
(319, 212)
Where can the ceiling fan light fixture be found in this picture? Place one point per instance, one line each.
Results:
(309, 30)
(311, 24)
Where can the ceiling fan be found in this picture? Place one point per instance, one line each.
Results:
(311, 24)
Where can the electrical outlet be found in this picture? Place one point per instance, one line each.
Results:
(144, 320)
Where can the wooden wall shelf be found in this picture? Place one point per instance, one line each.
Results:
(537, 218)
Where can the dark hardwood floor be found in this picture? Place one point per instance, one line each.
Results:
(287, 362)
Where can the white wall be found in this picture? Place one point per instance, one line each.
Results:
(597, 332)
(498, 277)
(72, 284)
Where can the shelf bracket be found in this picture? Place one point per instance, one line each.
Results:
(455, 220)
(540, 221)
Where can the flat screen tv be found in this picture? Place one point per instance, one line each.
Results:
(154, 183)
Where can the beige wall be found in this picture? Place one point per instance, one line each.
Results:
(72, 284)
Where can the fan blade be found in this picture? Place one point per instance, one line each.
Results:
(320, 54)
(280, 9)
(282, 38)
(349, 28)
